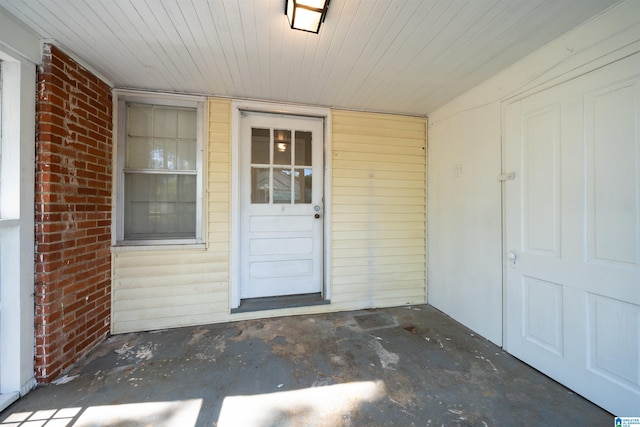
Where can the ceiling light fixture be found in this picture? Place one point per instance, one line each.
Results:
(306, 15)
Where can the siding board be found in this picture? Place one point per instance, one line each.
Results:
(180, 312)
(141, 281)
(377, 217)
(347, 209)
(376, 166)
(363, 129)
(343, 283)
(170, 269)
(360, 260)
(381, 145)
(364, 156)
(378, 191)
(133, 294)
(385, 289)
(153, 258)
(374, 269)
(380, 183)
(381, 175)
(161, 302)
(346, 256)
(167, 322)
(376, 226)
(379, 200)
(407, 244)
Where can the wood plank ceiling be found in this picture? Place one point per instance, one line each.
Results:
(401, 56)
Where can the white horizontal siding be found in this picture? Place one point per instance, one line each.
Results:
(160, 289)
(378, 210)
(377, 241)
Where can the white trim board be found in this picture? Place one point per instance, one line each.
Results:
(17, 210)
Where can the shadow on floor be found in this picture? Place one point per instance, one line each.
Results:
(403, 366)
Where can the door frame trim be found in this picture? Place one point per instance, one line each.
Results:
(237, 106)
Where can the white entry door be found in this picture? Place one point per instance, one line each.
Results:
(282, 212)
(572, 243)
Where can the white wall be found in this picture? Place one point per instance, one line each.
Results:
(19, 52)
(464, 219)
(464, 215)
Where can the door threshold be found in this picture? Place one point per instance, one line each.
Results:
(275, 303)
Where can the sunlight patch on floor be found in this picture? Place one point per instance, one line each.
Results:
(327, 405)
(180, 413)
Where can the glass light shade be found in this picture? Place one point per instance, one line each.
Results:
(306, 15)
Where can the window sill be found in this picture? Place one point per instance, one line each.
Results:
(164, 247)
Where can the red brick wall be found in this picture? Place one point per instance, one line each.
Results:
(73, 213)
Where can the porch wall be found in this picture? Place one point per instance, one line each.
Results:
(377, 246)
(465, 224)
(378, 210)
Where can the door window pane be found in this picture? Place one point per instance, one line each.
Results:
(274, 179)
(282, 185)
(281, 147)
(260, 139)
(302, 189)
(303, 148)
(259, 185)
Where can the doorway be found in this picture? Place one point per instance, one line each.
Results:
(281, 203)
(572, 242)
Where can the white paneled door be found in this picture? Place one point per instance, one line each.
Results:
(572, 242)
(281, 204)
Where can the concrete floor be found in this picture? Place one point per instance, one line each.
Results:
(404, 366)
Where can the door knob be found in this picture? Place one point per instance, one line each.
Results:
(512, 256)
(317, 215)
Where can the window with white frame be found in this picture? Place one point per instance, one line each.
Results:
(160, 170)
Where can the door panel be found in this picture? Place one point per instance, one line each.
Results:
(542, 193)
(614, 337)
(281, 205)
(542, 312)
(611, 166)
(572, 232)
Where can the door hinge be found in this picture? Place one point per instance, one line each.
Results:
(507, 176)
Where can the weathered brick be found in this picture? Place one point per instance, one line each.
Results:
(73, 213)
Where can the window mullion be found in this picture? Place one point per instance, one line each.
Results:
(160, 171)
